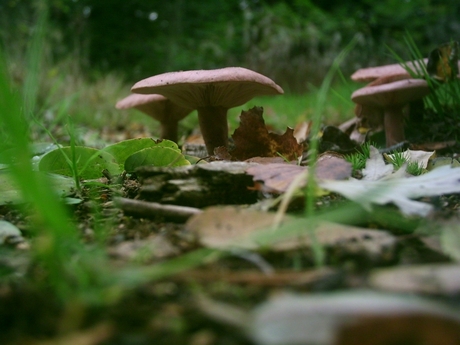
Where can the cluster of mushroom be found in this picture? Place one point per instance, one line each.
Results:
(169, 97)
(383, 100)
(391, 90)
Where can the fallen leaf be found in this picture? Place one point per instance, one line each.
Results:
(302, 130)
(252, 139)
(231, 227)
(399, 190)
(266, 160)
(277, 177)
(8, 231)
(420, 157)
(331, 166)
(333, 139)
(334, 318)
(450, 240)
(440, 161)
(412, 329)
(153, 247)
(436, 279)
(376, 168)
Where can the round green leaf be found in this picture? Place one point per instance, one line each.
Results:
(89, 162)
(10, 192)
(123, 149)
(156, 156)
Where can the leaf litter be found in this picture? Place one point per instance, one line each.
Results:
(249, 236)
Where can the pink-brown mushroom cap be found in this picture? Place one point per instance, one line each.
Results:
(371, 73)
(392, 97)
(160, 108)
(392, 94)
(226, 87)
(154, 105)
(212, 93)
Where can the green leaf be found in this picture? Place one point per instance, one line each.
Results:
(89, 162)
(156, 156)
(195, 159)
(10, 193)
(123, 149)
(8, 230)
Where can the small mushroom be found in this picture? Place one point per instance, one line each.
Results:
(160, 108)
(212, 93)
(370, 74)
(389, 95)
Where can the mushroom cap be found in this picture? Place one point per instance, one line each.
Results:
(134, 100)
(395, 93)
(372, 73)
(154, 105)
(226, 87)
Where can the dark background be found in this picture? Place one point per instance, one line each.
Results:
(292, 41)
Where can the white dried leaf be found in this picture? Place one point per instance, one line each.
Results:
(375, 166)
(399, 190)
(8, 230)
(419, 157)
(450, 240)
(318, 318)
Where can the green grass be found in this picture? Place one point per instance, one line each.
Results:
(64, 91)
(290, 109)
(65, 270)
(79, 276)
(444, 99)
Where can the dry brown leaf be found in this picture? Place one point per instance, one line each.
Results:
(437, 279)
(232, 227)
(302, 131)
(153, 247)
(266, 160)
(277, 177)
(252, 139)
(411, 329)
(331, 166)
(354, 318)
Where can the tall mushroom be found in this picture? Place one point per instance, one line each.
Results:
(160, 108)
(390, 97)
(370, 116)
(212, 93)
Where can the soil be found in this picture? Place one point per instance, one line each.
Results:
(166, 311)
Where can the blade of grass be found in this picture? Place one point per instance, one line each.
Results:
(311, 187)
(34, 59)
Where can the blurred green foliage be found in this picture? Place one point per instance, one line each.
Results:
(292, 41)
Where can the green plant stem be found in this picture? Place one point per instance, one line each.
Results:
(311, 187)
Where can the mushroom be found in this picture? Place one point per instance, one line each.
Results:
(212, 93)
(389, 95)
(370, 74)
(160, 108)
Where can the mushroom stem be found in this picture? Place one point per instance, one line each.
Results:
(394, 125)
(213, 126)
(169, 130)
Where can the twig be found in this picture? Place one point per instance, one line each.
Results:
(153, 209)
